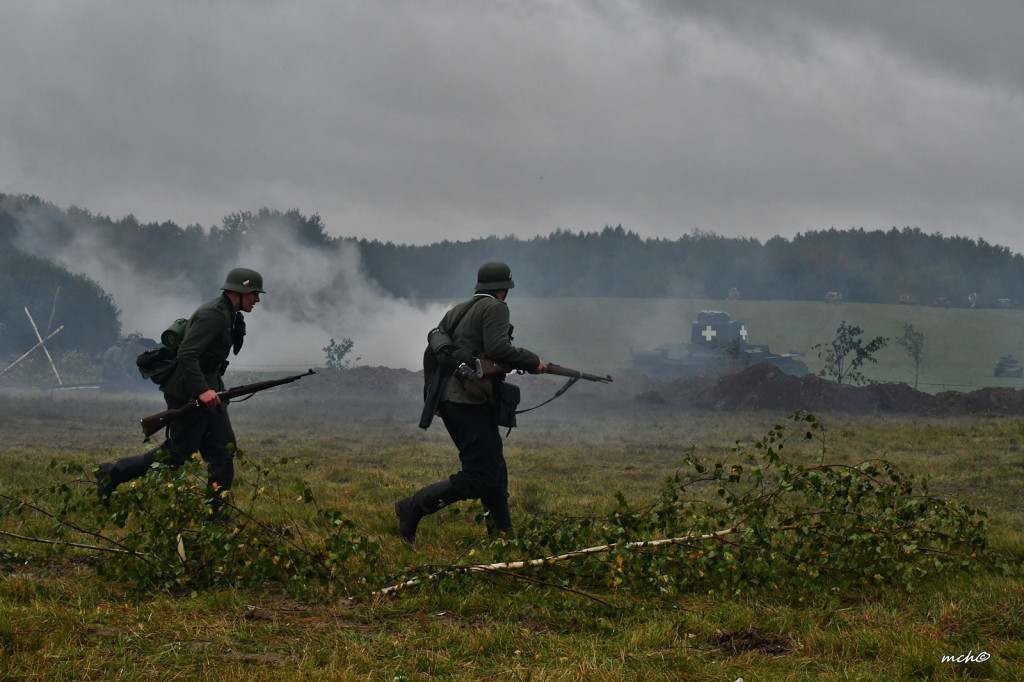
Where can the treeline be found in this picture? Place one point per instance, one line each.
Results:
(49, 258)
(899, 265)
(44, 247)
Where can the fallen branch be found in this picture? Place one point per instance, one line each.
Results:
(68, 544)
(598, 549)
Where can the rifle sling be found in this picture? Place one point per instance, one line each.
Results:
(559, 392)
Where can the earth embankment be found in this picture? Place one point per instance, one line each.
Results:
(760, 387)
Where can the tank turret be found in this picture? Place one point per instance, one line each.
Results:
(717, 343)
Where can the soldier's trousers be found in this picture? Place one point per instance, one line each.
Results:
(208, 433)
(484, 474)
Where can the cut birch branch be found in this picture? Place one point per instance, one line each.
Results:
(114, 550)
(598, 549)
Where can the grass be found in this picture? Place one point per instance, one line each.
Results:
(59, 621)
(961, 344)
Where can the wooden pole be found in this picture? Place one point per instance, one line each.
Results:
(33, 348)
(53, 310)
(43, 344)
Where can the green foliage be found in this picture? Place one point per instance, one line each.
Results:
(763, 523)
(847, 352)
(769, 524)
(337, 354)
(158, 532)
(62, 622)
(912, 341)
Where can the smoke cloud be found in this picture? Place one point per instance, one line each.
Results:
(314, 294)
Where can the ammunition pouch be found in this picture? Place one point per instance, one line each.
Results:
(506, 400)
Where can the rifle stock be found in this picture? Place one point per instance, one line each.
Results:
(485, 367)
(155, 422)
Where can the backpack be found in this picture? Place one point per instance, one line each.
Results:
(158, 363)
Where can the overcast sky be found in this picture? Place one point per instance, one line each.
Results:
(453, 119)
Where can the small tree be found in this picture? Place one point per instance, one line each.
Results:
(337, 353)
(847, 352)
(913, 342)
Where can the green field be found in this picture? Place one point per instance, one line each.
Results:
(961, 344)
(59, 620)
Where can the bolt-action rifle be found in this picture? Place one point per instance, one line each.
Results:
(155, 422)
(485, 367)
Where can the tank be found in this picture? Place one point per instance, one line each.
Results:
(119, 370)
(1008, 366)
(717, 344)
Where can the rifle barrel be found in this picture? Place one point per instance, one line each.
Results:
(155, 422)
(558, 370)
(488, 367)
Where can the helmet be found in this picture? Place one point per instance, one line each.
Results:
(494, 276)
(243, 281)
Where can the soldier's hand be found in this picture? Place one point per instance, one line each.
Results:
(209, 398)
(541, 368)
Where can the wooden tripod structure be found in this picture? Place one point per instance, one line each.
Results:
(41, 341)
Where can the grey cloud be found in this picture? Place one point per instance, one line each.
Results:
(420, 121)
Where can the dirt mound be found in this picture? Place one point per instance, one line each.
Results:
(760, 387)
(992, 401)
(376, 382)
(763, 387)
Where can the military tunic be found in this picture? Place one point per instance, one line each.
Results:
(202, 358)
(204, 349)
(467, 411)
(484, 331)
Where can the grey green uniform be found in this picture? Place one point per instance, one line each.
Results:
(203, 351)
(468, 414)
(484, 331)
(202, 358)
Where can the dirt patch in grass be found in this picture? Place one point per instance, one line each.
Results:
(753, 639)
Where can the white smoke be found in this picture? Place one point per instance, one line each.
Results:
(313, 295)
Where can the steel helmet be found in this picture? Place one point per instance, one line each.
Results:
(243, 281)
(494, 276)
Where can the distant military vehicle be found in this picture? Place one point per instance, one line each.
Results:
(1008, 366)
(716, 344)
(119, 370)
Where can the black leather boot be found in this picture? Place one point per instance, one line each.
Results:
(499, 520)
(125, 469)
(423, 502)
(104, 483)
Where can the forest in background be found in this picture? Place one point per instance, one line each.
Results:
(898, 265)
